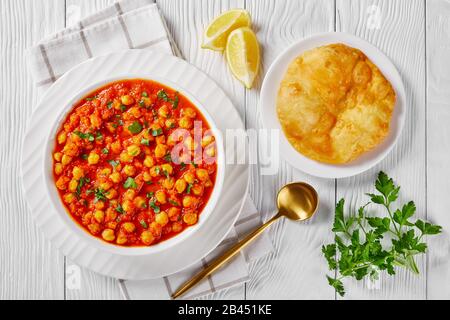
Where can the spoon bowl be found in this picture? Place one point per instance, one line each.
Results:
(297, 201)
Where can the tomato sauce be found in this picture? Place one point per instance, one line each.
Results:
(134, 163)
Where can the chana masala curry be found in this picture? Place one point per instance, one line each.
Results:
(116, 170)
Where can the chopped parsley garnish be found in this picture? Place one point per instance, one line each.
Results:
(145, 142)
(99, 136)
(135, 127)
(143, 224)
(130, 183)
(91, 98)
(155, 208)
(150, 194)
(82, 135)
(105, 151)
(109, 105)
(120, 209)
(141, 103)
(84, 156)
(174, 203)
(157, 170)
(175, 101)
(144, 94)
(114, 163)
(83, 181)
(162, 95)
(157, 132)
(188, 189)
(123, 107)
(168, 157)
(166, 173)
(100, 195)
(183, 165)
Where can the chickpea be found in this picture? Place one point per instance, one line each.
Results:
(105, 185)
(202, 174)
(180, 185)
(135, 112)
(125, 157)
(127, 100)
(173, 213)
(166, 167)
(108, 235)
(168, 183)
(160, 150)
(207, 140)
(62, 137)
(105, 171)
(162, 218)
(57, 156)
(139, 202)
(73, 184)
(197, 189)
(94, 228)
(161, 197)
(129, 227)
(189, 177)
(170, 123)
(163, 112)
(210, 151)
(93, 158)
(112, 193)
(121, 239)
(112, 225)
(148, 162)
(61, 183)
(130, 194)
(99, 216)
(129, 170)
(95, 120)
(115, 177)
(86, 218)
(147, 101)
(111, 214)
(190, 218)
(70, 148)
(127, 206)
(189, 201)
(146, 176)
(155, 228)
(155, 171)
(176, 227)
(65, 160)
(99, 205)
(133, 150)
(189, 112)
(69, 198)
(58, 168)
(116, 146)
(185, 123)
(160, 139)
(147, 237)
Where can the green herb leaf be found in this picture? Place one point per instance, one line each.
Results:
(143, 224)
(135, 127)
(123, 107)
(105, 151)
(130, 183)
(188, 188)
(174, 203)
(145, 142)
(100, 195)
(157, 132)
(109, 105)
(114, 163)
(162, 95)
(120, 209)
(145, 94)
(150, 194)
(81, 183)
(155, 208)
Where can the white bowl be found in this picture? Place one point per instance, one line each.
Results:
(269, 93)
(57, 204)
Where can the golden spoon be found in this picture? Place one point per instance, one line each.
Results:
(296, 201)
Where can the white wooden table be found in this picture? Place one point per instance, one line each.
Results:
(415, 34)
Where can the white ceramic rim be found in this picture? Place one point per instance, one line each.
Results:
(269, 92)
(143, 64)
(54, 197)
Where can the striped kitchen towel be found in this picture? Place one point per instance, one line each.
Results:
(138, 24)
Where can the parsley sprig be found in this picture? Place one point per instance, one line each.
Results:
(360, 248)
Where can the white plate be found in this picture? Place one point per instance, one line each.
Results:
(269, 93)
(81, 248)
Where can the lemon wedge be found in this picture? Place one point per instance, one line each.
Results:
(242, 53)
(216, 34)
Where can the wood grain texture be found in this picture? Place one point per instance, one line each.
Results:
(187, 21)
(401, 36)
(29, 267)
(438, 131)
(92, 285)
(296, 270)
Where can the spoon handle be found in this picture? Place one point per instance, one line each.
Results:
(218, 262)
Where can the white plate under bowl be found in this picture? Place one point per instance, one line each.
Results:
(55, 199)
(85, 250)
(268, 98)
